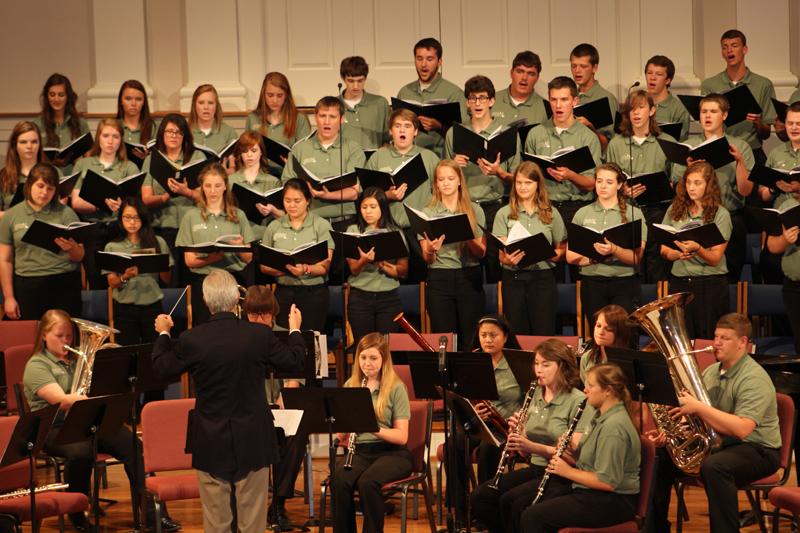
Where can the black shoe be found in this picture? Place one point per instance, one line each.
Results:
(81, 522)
(168, 524)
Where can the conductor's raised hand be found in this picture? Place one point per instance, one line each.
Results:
(295, 318)
(163, 323)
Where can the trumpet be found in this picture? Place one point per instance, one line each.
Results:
(351, 443)
(26, 492)
(505, 458)
(564, 441)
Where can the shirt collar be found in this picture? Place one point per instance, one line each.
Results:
(746, 79)
(506, 97)
(735, 369)
(411, 153)
(286, 223)
(599, 208)
(337, 142)
(32, 212)
(433, 86)
(611, 410)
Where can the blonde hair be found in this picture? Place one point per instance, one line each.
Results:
(464, 200)
(215, 169)
(202, 89)
(50, 319)
(389, 377)
(610, 376)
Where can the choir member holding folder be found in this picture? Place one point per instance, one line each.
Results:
(698, 267)
(529, 286)
(35, 279)
(59, 121)
(24, 151)
(138, 126)
(374, 297)
(300, 284)
(135, 290)
(252, 176)
(785, 158)
(217, 220)
(639, 155)
(455, 282)
(608, 266)
(211, 134)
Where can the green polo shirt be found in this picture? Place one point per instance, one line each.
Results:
(386, 159)
(647, 157)
(585, 364)
(5, 198)
(762, 90)
(795, 97)
(397, 407)
(44, 368)
(142, 289)
(746, 390)
(673, 110)
(696, 266)
(116, 172)
(194, 230)
(596, 92)
(281, 235)
(264, 182)
(545, 140)
(611, 449)
(339, 158)
(784, 157)
(482, 188)
(276, 131)
(596, 217)
(135, 135)
(371, 278)
(555, 231)
(170, 214)
(509, 395)
(439, 89)
(30, 260)
(455, 255)
(547, 421)
(507, 111)
(790, 262)
(216, 139)
(366, 124)
(726, 175)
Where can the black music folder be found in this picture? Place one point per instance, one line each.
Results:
(161, 168)
(130, 148)
(220, 244)
(742, 103)
(388, 244)
(582, 239)
(120, 261)
(213, 155)
(781, 109)
(445, 112)
(715, 151)
(97, 188)
(673, 129)
(308, 254)
(332, 183)
(43, 234)
(769, 177)
(411, 171)
(658, 188)
(475, 146)
(598, 112)
(72, 151)
(275, 151)
(536, 247)
(247, 198)
(772, 220)
(706, 235)
(692, 104)
(576, 159)
(455, 227)
(523, 129)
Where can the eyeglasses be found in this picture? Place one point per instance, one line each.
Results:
(482, 99)
(129, 218)
(173, 133)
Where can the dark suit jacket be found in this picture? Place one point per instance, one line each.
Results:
(231, 432)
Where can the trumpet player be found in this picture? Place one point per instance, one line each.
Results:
(743, 411)
(379, 457)
(554, 403)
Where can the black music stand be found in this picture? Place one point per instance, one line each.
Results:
(128, 369)
(25, 442)
(92, 419)
(521, 364)
(333, 410)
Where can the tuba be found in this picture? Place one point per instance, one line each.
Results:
(690, 440)
(92, 338)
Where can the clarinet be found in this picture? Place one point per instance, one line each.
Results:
(566, 437)
(351, 443)
(518, 429)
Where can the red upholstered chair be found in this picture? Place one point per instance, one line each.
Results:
(647, 470)
(164, 427)
(14, 332)
(784, 498)
(16, 357)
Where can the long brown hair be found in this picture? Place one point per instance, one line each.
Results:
(388, 375)
(227, 199)
(634, 100)
(710, 201)
(122, 153)
(609, 376)
(49, 320)
(202, 89)
(145, 120)
(9, 178)
(623, 205)
(617, 319)
(541, 200)
(559, 352)
(289, 112)
(464, 201)
(70, 112)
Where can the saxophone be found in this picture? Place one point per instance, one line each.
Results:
(690, 440)
(351, 442)
(518, 429)
(92, 338)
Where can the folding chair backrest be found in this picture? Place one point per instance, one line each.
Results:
(15, 332)
(419, 433)
(164, 426)
(15, 475)
(16, 357)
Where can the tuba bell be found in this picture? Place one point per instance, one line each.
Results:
(690, 440)
(92, 338)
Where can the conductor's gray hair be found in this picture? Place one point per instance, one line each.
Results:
(220, 291)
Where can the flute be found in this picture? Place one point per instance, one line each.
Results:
(351, 443)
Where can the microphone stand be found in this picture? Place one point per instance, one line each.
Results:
(450, 452)
(634, 203)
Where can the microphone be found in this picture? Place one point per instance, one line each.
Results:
(339, 85)
(442, 352)
(635, 84)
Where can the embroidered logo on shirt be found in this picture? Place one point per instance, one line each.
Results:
(589, 221)
(308, 160)
(279, 235)
(20, 226)
(198, 227)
